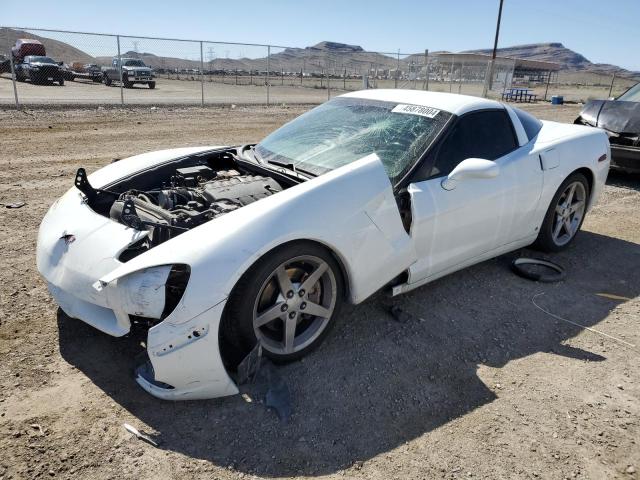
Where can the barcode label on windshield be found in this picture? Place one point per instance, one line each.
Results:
(416, 110)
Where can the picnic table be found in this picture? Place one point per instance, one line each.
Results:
(518, 94)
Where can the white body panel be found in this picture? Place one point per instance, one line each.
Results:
(351, 210)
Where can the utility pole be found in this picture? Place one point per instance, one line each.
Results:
(489, 81)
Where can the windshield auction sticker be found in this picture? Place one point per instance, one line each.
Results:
(416, 110)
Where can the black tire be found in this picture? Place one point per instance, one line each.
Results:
(61, 82)
(152, 85)
(545, 240)
(237, 331)
(107, 80)
(127, 84)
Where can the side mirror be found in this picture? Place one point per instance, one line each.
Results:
(470, 168)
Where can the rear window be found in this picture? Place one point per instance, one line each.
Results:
(530, 123)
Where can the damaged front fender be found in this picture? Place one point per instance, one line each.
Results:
(185, 360)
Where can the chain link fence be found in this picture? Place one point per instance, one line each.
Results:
(108, 69)
(103, 69)
(459, 74)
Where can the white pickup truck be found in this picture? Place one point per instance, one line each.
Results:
(133, 71)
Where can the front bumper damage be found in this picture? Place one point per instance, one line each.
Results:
(77, 254)
(171, 347)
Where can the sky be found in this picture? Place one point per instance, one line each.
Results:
(602, 31)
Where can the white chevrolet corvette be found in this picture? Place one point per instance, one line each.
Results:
(216, 249)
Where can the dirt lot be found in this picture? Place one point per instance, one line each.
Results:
(478, 383)
(287, 91)
(166, 91)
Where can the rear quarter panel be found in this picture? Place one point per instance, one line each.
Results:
(565, 148)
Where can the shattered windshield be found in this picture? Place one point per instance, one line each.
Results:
(344, 130)
(631, 95)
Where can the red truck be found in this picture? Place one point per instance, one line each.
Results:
(25, 47)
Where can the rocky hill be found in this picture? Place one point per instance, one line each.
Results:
(558, 53)
(56, 49)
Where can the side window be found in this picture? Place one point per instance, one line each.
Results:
(487, 135)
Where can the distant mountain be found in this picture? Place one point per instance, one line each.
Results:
(558, 53)
(60, 51)
(332, 55)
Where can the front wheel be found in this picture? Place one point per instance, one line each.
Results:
(152, 85)
(287, 302)
(61, 82)
(107, 81)
(565, 214)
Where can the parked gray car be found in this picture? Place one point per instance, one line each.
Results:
(133, 71)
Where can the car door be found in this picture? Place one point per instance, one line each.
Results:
(451, 227)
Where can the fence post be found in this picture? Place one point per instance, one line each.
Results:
(268, 67)
(613, 79)
(13, 72)
(488, 78)
(327, 75)
(451, 74)
(546, 90)
(397, 69)
(120, 71)
(201, 76)
(426, 69)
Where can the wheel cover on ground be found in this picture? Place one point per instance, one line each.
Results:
(294, 304)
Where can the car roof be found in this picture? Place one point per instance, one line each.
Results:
(449, 102)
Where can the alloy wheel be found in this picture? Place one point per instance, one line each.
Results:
(569, 212)
(294, 304)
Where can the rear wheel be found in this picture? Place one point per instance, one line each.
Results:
(287, 302)
(61, 82)
(127, 84)
(107, 81)
(565, 214)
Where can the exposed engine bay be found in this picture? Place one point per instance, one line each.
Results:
(174, 197)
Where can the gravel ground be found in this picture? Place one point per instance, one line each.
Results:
(478, 383)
